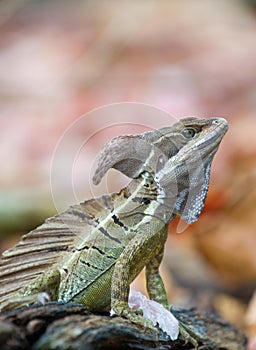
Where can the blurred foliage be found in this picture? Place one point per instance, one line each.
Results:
(61, 59)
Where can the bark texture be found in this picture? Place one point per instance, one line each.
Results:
(71, 326)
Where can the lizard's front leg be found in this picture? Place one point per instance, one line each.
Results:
(155, 285)
(156, 291)
(135, 256)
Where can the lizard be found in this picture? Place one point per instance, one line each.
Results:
(91, 252)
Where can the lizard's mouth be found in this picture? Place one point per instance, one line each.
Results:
(204, 146)
(208, 145)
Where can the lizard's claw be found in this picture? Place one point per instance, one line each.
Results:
(188, 335)
(186, 332)
(135, 316)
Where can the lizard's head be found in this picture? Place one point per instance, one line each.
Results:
(184, 179)
(179, 158)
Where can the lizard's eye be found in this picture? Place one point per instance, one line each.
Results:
(189, 133)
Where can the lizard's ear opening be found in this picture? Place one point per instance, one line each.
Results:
(127, 154)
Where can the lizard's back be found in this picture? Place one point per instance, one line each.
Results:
(77, 242)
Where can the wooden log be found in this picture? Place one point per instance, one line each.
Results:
(70, 326)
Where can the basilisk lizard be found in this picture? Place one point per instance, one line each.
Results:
(92, 252)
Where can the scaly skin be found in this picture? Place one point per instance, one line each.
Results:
(93, 251)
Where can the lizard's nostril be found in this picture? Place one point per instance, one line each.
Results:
(219, 121)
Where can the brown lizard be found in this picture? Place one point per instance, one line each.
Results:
(92, 252)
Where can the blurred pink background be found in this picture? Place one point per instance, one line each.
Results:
(61, 59)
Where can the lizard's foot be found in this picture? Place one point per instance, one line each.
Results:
(188, 334)
(135, 316)
(18, 301)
